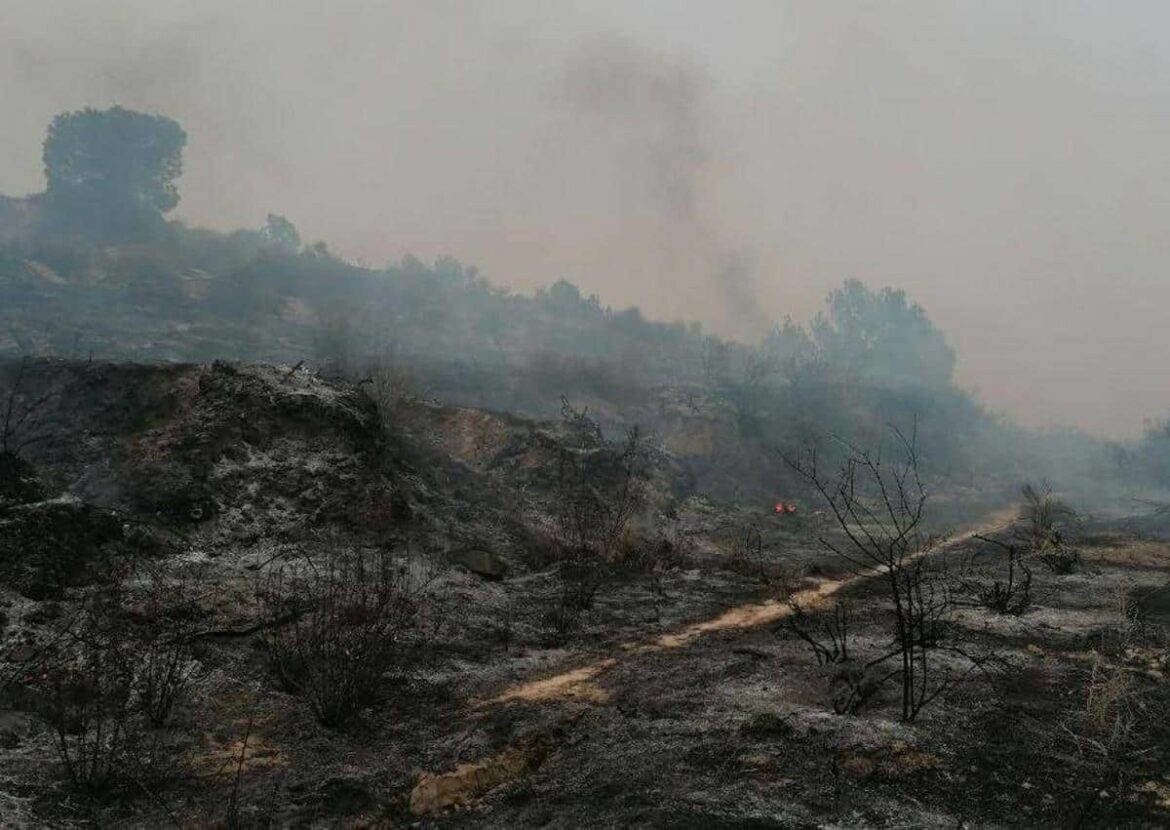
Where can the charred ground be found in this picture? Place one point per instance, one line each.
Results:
(190, 525)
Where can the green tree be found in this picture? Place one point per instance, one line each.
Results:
(111, 173)
(883, 337)
(282, 233)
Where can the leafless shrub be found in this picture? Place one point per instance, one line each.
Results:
(650, 554)
(599, 486)
(1116, 731)
(1112, 706)
(167, 622)
(879, 506)
(579, 577)
(749, 557)
(599, 489)
(1130, 628)
(165, 671)
(389, 384)
(101, 691)
(21, 426)
(831, 645)
(747, 552)
(1042, 514)
(854, 684)
(340, 630)
(1042, 527)
(89, 701)
(672, 548)
(1012, 594)
(237, 816)
(1059, 557)
(335, 342)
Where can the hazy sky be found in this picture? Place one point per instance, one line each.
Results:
(1003, 161)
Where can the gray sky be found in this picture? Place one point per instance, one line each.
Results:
(1003, 161)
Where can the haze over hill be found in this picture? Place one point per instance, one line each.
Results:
(731, 164)
(530, 414)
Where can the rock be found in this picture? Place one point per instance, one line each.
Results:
(480, 561)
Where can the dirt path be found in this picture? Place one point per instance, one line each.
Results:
(578, 683)
(434, 793)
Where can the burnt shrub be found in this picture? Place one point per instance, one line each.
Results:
(164, 623)
(18, 481)
(102, 691)
(48, 546)
(173, 491)
(600, 487)
(1012, 594)
(88, 698)
(878, 500)
(828, 637)
(750, 557)
(1043, 525)
(1059, 557)
(339, 631)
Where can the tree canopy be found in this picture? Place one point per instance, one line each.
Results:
(881, 336)
(111, 173)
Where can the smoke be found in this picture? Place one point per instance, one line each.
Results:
(652, 107)
(651, 113)
(733, 163)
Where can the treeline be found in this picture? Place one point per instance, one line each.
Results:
(125, 283)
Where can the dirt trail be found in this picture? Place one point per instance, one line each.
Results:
(578, 683)
(434, 793)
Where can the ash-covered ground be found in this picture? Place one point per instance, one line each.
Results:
(247, 596)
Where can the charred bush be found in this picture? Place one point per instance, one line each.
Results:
(21, 426)
(600, 486)
(747, 553)
(106, 691)
(19, 483)
(668, 548)
(853, 685)
(389, 384)
(1042, 527)
(46, 547)
(341, 630)
(1012, 594)
(879, 505)
(1060, 558)
(239, 815)
(750, 557)
(1042, 515)
(166, 617)
(829, 640)
(88, 698)
(1117, 734)
(21, 418)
